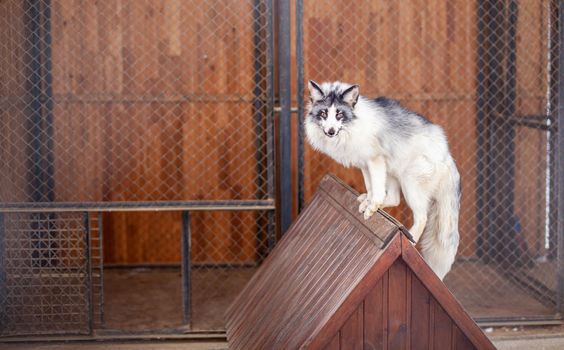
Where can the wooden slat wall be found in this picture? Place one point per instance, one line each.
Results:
(423, 53)
(13, 103)
(399, 313)
(125, 129)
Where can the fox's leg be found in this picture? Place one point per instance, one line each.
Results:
(364, 198)
(377, 172)
(392, 192)
(416, 186)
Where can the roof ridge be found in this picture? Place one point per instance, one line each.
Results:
(333, 178)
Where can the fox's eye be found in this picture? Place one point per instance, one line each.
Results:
(339, 115)
(323, 114)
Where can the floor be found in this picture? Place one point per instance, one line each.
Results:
(485, 294)
(540, 342)
(142, 299)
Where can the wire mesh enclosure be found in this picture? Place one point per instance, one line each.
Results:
(487, 72)
(138, 177)
(137, 151)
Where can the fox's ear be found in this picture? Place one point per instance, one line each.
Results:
(315, 91)
(350, 95)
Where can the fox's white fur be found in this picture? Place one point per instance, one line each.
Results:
(396, 149)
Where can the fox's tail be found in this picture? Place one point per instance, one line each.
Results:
(439, 241)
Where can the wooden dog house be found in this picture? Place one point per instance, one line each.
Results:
(337, 281)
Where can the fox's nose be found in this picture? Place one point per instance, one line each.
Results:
(331, 132)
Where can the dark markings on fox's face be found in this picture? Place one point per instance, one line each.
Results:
(333, 108)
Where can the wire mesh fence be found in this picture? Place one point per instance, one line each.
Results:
(487, 72)
(46, 277)
(111, 110)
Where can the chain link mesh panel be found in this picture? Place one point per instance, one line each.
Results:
(44, 273)
(133, 101)
(486, 71)
(114, 104)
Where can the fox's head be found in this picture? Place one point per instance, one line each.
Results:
(331, 106)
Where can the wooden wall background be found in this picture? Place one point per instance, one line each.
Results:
(149, 93)
(153, 102)
(423, 53)
(12, 104)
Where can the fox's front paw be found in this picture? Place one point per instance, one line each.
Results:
(370, 209)
(364, 202)
(362, 197)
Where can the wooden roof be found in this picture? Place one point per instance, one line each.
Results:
(326, 285)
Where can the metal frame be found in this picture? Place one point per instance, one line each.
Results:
(270, 139)
(186, 268)
(266, 204)
(285, 122)
(480, 129)
(39, 81)
(560, 166)
(88, 257)
(300, 99)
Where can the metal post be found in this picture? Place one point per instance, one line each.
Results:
(101, 249)
(560, 160)
(258, 96)
(270, 146)
(3, 276)
(33, 58)
(47, 102)
(186, 267)
(481, 129)
(284, 89)
(259, 111)
(88, 256)
(554, 27)
(300, 97)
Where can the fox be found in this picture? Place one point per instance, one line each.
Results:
(398, 152)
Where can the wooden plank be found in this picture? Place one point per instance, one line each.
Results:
(460, 341)
(352, 331)
(376, 317)
(444, 297)
(441, 328)
(335, 343)
(312, 282)
(323, 332)
(397, 306)
(420, 301)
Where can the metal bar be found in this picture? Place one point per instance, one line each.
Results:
(3, 263)
(101, 249)
(193, 265)
(47, 101)
(300, 98)
(259, 112)
(88, 257)
(285, 125)
(555, 53)
(541, 320)
(258, 103)
(102, 98)
(220, 205)
(186, 266)
(480, 129)
(292, 110)
(33, 58)
(560, 173)
(270, 139)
